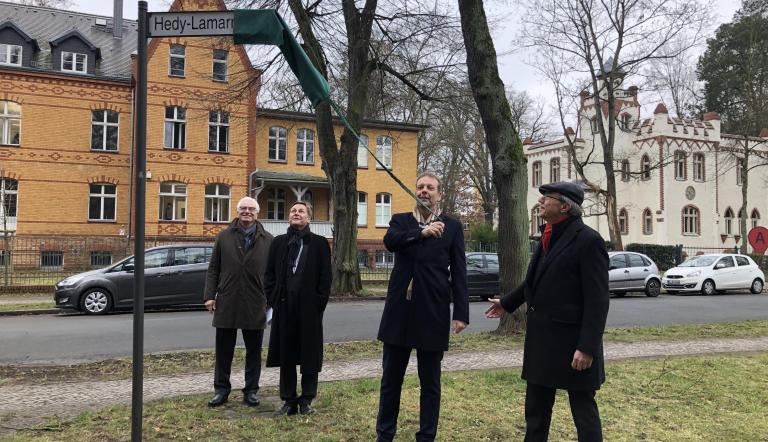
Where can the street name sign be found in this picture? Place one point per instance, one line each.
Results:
(190, 24)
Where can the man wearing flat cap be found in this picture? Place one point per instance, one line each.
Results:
(566, 291)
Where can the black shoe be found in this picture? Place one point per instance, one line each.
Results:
(218, 399)
(286, 410)
(251, 399)
(306, 409)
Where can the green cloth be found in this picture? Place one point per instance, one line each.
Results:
(266, 27)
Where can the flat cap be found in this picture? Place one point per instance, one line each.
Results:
(573, 190)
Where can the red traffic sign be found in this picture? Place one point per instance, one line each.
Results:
(758, 239)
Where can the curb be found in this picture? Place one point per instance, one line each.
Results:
(30, 312)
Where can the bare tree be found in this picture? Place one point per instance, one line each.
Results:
(58, 4)
(599, 43)
(674, 80)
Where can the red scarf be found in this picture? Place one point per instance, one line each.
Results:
(545, 237)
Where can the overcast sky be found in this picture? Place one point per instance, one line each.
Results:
(513, 72)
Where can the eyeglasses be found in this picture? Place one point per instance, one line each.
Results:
(247, 209)
(556, 198)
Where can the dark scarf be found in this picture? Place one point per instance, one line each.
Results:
(295, 237)
(248, 234)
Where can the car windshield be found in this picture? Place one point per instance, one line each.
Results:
(699, 261)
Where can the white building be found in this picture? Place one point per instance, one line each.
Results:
(677, 180)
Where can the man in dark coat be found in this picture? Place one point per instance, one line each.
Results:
(430, 264)
(298, 284)
(566, 289)
(234, 293)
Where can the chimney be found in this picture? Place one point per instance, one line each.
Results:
(117, 29)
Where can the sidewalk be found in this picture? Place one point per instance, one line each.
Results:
(27, 405)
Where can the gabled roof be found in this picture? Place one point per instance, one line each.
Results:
(74, 33)
(22, 34)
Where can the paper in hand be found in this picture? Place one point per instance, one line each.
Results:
(269, 316)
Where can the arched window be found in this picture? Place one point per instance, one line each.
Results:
(742, 215)
(305, 146)
(647, 222)
(383, 209)
(755, 218)
(554, 170)
(698, 167)
(728, 219)
(624, 170)
(173, 201)
(739, 170)
(278, 143)
(217, 197)
(690, 217)
(680, 165)
(623, 221)
(384, 152)
(536, 174)
(645, 167)
(536, 220)
(10, 123)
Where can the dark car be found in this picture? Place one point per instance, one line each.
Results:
(483, 274)
(174, 275)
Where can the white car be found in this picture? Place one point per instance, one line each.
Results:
(713, 273)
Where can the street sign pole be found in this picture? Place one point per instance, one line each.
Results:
(137, 393)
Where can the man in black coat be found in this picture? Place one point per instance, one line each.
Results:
(235, 295)
(566, 289)
(298, 284)
(429, 264)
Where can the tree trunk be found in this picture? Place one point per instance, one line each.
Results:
(744, 191)
(509, 162)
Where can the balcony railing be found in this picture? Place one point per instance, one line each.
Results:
(279, 226)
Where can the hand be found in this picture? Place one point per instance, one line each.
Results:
(581, 361)
(495, 310)
(458, 326)
(434, 229)
(210, 305)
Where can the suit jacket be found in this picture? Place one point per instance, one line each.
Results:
(286, 346)
(236, 279)
(437, 267)
(567, 294)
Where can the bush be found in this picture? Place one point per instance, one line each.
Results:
(665, 257)
(761, 260)
(483, 233)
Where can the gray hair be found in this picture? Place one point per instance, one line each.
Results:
(575, 209)
(249, 199)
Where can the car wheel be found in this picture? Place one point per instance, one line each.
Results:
(757, 286)
(652, 288)
(708, 287)
(96, 302)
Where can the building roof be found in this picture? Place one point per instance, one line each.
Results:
(46, 25)
(290, 177)
(303, 116)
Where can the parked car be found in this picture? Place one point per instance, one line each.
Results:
(483, 274)
(713, 273)
(632, 272)
(174, 275)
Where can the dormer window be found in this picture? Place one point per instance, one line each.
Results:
(74, 62)
(10, 54)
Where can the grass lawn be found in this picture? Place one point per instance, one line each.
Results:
(670, 399)
(27, 306)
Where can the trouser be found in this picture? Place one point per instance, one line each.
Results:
(538, 413)
(394, 362)
(225, 350)
(288, 386)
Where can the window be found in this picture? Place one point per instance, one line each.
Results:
(623, 221)
(690, 220)
(220, 65)
(218, 131)
(173, 202)
(384, 151)
(101, 259)
(278, 142)
(636, 260)
(728, 217)
(647, 222)
(741, 261)
(594, 126)
(308, 197)
(191, 255)
(385, 259)
(383, 209)
(554, 170)
(724, 262)
(698, 167)
(492, 260)
(152, 260)
(101, 204)
(536, 220)
(362, 209)
(104, 125)
(362, 258)
(176, 60)
(74, 62)
(217, 203)
(52, 259)
(755, 218)
(475, 261)
(536, 174)
(645, 168)
(305, 146)
(8, 201)
(175, 127)
(276, 204)
(625, 170)
(5, 258)
(10, 54)
(10, 122)
(739, 218)
(618, 261)
(680, 166)
(739, 170)
(624, 121)
(362, 152)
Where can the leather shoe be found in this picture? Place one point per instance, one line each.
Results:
(218, 399)
(306, 409)
(251, 399)
(286, 410)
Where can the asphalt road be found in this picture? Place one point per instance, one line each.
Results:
(78, 338)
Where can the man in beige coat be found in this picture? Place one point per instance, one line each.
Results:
(234, 293)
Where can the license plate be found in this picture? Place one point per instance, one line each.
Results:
(671, 282)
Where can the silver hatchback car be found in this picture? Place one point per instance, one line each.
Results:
(632, 272)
